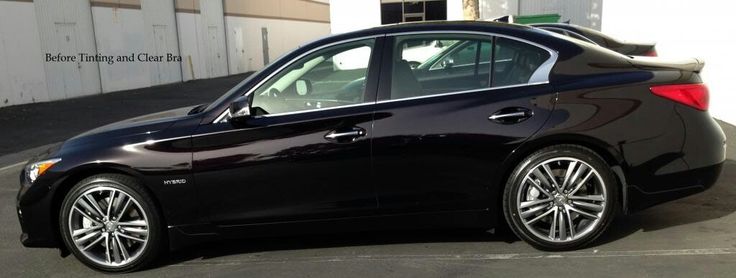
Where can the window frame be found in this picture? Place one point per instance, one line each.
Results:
(380, 74)
(540, 76)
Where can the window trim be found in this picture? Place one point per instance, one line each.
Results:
(542, 73)
(464, 92)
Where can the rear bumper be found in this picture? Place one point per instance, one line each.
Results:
(692, 167)
(701, 180)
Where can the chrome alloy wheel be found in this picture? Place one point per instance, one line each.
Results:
(561, 199)
(108, 226)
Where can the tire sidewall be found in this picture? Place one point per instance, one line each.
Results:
(513, 185)
(130, 187)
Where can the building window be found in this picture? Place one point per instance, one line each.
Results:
(395, 11)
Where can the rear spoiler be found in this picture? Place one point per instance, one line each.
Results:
(692, 65)
(699, 64)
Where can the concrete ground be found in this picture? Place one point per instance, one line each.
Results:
(691, 237)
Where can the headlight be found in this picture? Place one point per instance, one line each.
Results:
(35, 170)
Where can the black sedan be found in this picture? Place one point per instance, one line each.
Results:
(547, 134)
(601, 39)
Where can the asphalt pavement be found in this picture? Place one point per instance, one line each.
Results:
(691, 237)
(32, 125)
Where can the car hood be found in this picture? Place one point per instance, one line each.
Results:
(146, 124)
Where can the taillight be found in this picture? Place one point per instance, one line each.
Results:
(693, 95)
(651, 53)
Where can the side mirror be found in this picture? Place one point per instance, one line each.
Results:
(447, 63)
(303, 87)
(240, 108)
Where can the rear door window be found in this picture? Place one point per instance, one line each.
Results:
(433, 64)
(515, 62)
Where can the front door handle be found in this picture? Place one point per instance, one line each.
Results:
(511, 115)
(345, 136)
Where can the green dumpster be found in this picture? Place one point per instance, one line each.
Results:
(537, 18)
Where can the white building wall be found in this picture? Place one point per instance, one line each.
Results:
(245, 47)
(684, 29)
(161, 40)
(490, 9)
(212, 38)
(194, 29)
(202, 41)
(120, 32)
(22, 78)
(351, 15)
(455, 10)
(192, 64)
(66, 27)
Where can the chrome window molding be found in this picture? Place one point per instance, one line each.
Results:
(315, 110)
(464, 92)
(540, 76)
(454, 66)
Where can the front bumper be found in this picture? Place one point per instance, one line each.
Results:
(34, 205)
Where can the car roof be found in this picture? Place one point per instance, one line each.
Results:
(480, 26)
(444, 24)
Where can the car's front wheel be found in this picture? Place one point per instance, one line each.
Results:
(110, 223)
(560, 198)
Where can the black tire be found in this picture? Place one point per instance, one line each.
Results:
(146, 254)
(553, 240)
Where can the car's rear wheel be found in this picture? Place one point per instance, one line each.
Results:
(110, 223)
(560, 198)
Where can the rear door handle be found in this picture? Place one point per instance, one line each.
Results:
(511, 115)
(345, 136)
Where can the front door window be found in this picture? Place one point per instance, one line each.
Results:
(331, 77)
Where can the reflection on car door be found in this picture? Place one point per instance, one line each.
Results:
(438, 150)
(302, 163)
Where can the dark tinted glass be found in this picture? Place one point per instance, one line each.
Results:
(435, 64)
(515, 62)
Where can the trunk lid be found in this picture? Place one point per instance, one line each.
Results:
(655, 63)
